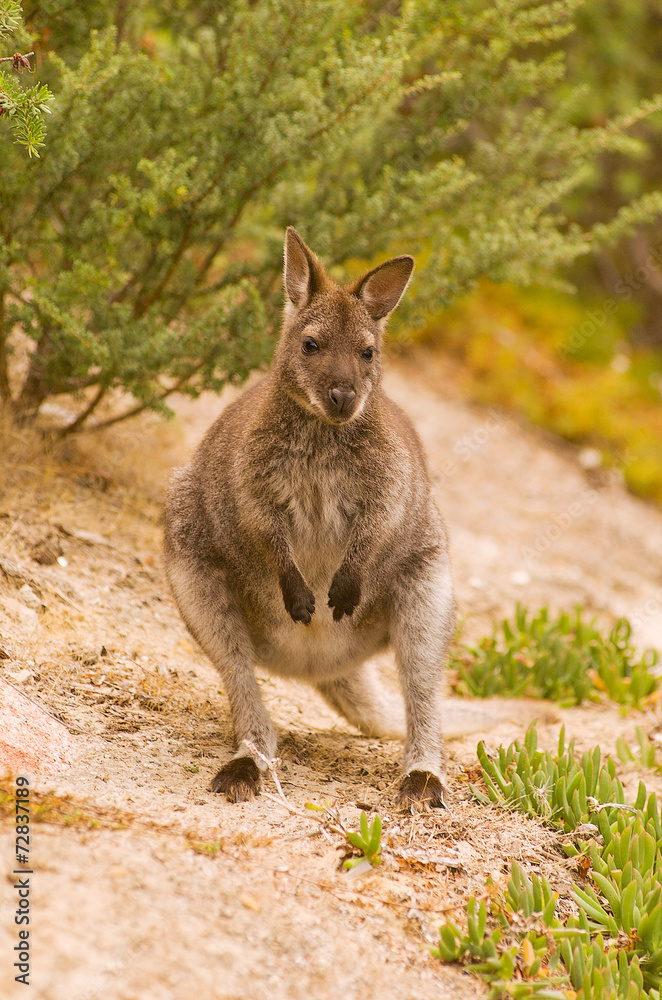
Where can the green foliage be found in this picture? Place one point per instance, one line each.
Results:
(566, 365)
(23, 108)
(10, 16)
(495, 961)
(564, 659)
(613, 948)
(144, 254)
(615, 55)
(515, 957)
(556, 788)
(627, 875)
(368, 840)
(646, 755)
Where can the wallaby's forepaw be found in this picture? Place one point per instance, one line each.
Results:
(421, 790)
(344, 594)
(239, 779)
(298, 597)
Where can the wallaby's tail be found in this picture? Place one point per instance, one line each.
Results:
(364, 701)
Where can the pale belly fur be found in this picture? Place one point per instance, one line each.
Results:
(325, 648)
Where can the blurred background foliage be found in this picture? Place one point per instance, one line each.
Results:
(566, 365)
(586, 363)
(513, 147)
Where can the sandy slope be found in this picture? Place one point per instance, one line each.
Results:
(148, 886)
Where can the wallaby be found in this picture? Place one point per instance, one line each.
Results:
(303, 537)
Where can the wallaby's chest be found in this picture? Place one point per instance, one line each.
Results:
(319, 497)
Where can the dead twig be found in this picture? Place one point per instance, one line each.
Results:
(19, 61)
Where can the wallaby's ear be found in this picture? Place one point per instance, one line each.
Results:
(303, 274)
(381, 289)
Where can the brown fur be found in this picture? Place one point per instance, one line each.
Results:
(302, 535)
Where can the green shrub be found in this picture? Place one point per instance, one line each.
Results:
(142, 253)
(612, 950)
(563, 658)
(23, 108)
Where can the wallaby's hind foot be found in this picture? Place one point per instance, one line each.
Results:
(420, 790)
(239, 780)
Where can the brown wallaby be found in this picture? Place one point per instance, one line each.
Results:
(303, 537)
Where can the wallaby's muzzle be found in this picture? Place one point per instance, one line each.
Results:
(342, 400)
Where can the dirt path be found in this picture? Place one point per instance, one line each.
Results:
(148, 886)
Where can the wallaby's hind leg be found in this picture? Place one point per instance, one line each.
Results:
(213, 619)
(421, 629)
(361, 698)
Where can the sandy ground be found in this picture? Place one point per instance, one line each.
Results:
(145, 884)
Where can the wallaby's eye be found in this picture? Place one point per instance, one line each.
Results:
(368, 354)
(310, 346)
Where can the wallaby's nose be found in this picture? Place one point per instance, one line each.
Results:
(342, 399)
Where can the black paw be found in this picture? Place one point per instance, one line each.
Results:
(344, 594)
(421, 790)
(239, 779)
(298, 597)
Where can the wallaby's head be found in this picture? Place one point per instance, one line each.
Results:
(329, 355)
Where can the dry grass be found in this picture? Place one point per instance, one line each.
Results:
(58, 810)
(97, 636)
